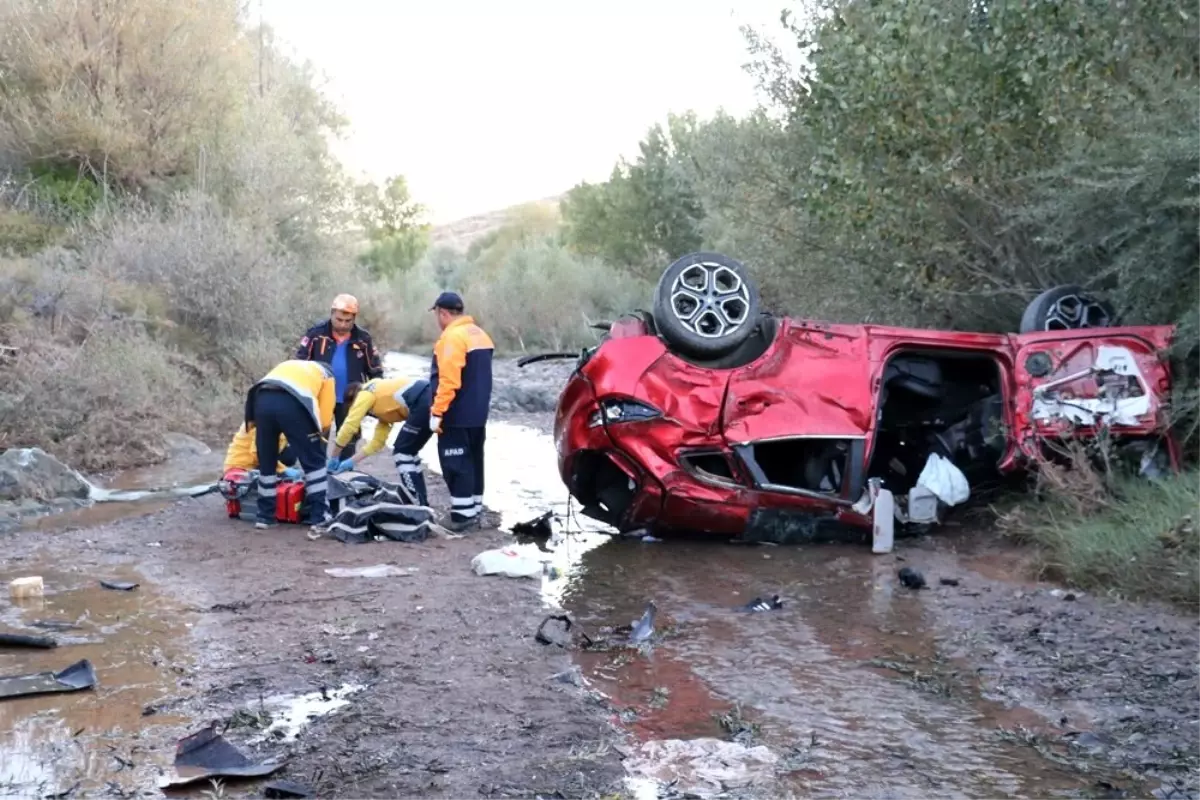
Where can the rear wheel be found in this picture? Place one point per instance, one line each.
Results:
(1066, 308)
(706, 305)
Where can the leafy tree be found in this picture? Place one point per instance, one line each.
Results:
(387, 211)
(392, 222)
(647, 211)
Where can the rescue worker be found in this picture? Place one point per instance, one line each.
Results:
(295, 399)
(390, 400)
(344, 346)
(461, 375)
(242, 453)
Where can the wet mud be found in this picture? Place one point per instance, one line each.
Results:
(431, 683)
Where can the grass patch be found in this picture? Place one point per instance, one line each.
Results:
(1118, 534)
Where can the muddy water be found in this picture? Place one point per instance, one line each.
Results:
(846, 680)
(91, 739)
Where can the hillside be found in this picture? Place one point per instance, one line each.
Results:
(461, 233)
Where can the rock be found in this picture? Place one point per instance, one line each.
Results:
(180, 444)
(32, 474)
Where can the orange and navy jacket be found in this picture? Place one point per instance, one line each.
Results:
(461, 375)
(243, 452)
(364, 362)
(388, 400)
(310, 382)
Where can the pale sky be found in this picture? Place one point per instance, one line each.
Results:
(483, 105)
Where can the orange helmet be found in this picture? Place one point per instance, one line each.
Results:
(345, 302)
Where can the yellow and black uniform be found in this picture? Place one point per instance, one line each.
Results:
(243, 452)
(461, 375)
(294, 400)
(392, 400)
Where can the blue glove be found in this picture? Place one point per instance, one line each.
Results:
(342, 466)
(332, 465)
(293, 473)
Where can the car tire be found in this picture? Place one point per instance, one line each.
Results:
(706, 305)
(1066, 308)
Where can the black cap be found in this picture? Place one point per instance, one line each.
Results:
(449, 301)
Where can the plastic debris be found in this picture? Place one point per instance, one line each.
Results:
(522, 561)
(376, 571)
(30, 586)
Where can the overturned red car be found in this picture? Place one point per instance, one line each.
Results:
(706, 415)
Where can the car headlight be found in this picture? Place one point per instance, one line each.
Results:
(613, 411)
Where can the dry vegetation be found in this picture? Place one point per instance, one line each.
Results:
(169, 217)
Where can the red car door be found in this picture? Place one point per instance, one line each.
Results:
(1079, 382)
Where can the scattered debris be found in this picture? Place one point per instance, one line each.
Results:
(286, 789)
(702, 767)
(536, 528)
(948, 581)
(54, 625)
(376, 571)
(643, 628)
(560, 636)
(572, 676)
(80, 675)
(120, 586)
(21, 640)
(758, 604)
(206, 754)
(911, 579)
(31, 586)
(511, 562)
(735, 724)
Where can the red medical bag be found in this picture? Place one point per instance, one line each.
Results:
(289, 498)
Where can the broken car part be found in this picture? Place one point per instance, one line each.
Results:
(120, 586)
(206, 754)
(21, 640)
(78, 676)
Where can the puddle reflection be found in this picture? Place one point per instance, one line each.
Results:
(49, 743)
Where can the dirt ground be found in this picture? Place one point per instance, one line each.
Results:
(985, 684)
(459, 699)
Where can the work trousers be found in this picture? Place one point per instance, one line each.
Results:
(276, 411)
(412, 437)
(460, 451)
(339, 416)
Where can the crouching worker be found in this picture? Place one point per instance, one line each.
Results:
(390, 400)
(241, 461)
(296, 400)
(242, 453)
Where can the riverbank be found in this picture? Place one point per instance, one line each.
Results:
(985, 683)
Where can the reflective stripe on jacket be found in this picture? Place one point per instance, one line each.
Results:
(243, 451)
(310, 382)
(461, 374)
(363, 362)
